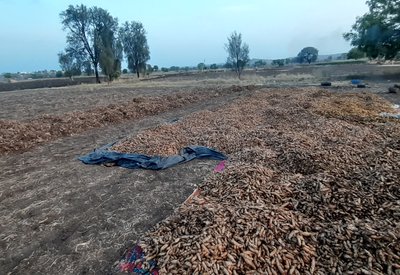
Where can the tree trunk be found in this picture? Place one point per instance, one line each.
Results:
(137, 69)
(237, 69)
(96, 71)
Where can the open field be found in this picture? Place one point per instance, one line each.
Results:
(311, 186)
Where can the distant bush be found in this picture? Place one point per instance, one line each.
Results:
(59, 74)
(7, 75)
(174, 68)
(278, 62)
(213, 66)
(124, 71)
(260, 63)
(355, 53)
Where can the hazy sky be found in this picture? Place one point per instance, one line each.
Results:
(182, 32)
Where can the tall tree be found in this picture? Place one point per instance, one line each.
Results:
(85, 28)
(134, 41)
(377, 33)
(238, 53)
(110, 55)
(69, 64)
(308, 54)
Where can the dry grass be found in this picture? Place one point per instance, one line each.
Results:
(247, 79)
(311, 188)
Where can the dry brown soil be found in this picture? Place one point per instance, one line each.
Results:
(58, 216)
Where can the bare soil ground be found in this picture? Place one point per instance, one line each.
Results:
(58, 216)
(26, 104)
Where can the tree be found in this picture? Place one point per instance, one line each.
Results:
(163, 69)
(355, 53)
(87, 67)
(149, 69)
(377, 33)
(260, 63)
(201, 66)
(110, 55)
(174, 68)
(278, 62)
(69, 64)
(59, 74)
(85, 28)
(308, 54)
(238, 53)
(213, 66)
(155, 68)
(124, 71)
(134, 41)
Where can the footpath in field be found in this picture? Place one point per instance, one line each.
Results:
(312, 187)
(19, 136)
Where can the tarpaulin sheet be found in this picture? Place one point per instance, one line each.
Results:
(104, 155)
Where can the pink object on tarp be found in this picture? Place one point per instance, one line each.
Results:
(220, 167)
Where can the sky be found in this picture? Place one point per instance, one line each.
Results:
(182, 32)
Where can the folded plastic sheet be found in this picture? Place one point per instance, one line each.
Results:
(106, 156)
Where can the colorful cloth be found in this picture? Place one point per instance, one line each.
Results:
(220, 167)
(135, 262)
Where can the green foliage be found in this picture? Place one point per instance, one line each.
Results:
(155, 68)
(59, 74)
(7, 75)
(278, 62)
(228, 65)
(87, 67)
(238, 53)
(125, 71)
(134, 42)
(174, 68)
(163, 69)
(260, 63)
(69, 64)
(213, 66)
(149, 69)
(288, 61)
(308, 54)
(110, 55)
(355, 53)
(86, 32)
(201, 66)
(377, 32)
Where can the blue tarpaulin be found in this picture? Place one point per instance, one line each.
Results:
(104, 155)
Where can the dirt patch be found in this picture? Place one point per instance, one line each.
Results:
(62, 217)
(22, 135)
(310, 188)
